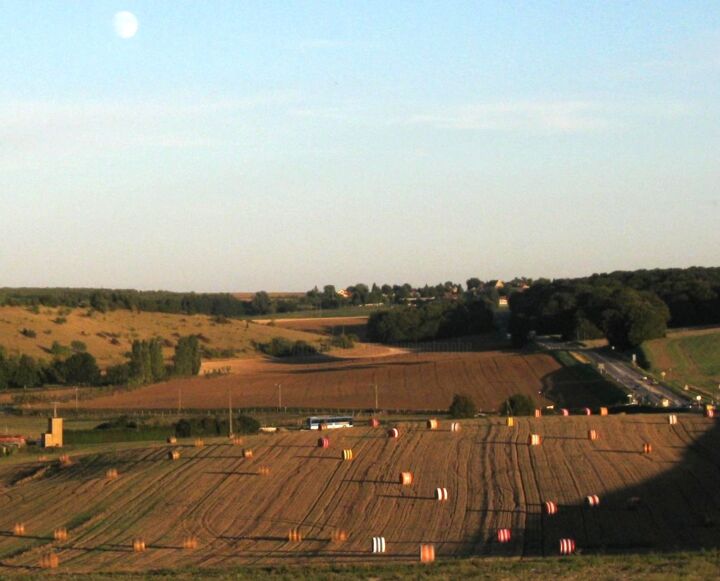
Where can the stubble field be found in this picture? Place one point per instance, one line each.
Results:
(494, 480)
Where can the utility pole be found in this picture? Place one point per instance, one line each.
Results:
(230, 428)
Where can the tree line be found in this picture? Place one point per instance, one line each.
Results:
(228, 305)
(437, 320)
(145, 364)
(625, 307)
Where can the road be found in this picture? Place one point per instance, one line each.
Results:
(632, 378)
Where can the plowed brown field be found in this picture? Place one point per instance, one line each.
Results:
(422, 381)
(494, 480)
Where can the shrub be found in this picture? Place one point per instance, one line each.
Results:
(518, 405)
(28, 333)
(344, 341)
(462, 407)
(183, 429)
(78, 346)
(246, 425)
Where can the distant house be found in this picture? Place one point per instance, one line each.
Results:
(344, 293)
(494, 284)
(503, 302)
(18, 441)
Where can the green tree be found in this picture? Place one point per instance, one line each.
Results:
(187, 356)
(462, 406)
(27, 372)
(261, 303)
(81, 368)
(157, 361)
(518, 405)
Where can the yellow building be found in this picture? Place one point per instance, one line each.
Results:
(53, 438)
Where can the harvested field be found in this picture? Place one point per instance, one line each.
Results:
(494, 480)
(419, 381)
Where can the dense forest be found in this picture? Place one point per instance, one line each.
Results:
(625, 307)
(437, 320)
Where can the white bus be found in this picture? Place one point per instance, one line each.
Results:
(328, 422)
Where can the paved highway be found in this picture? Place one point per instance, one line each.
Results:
(632, 378)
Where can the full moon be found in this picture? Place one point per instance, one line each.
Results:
(126, 24)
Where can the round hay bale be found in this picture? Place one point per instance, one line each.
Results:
(567, 546)
(199, 443)
(19, 529)
(174, 454)
(393, 433)
(190, 542)
(441, 494)
(294, 535)
(672, 419)
(427, 553)
(592, 500)
(49, 561)
(347, 454)
(565, 412)
(647, 448)
(406, 478)
(587, 411)
(64, 460)
(603, 411)
(534, 440)
(264, 471)
(172, 440)
(60, 534)
(455, 427)
(323, 442)
(538, 413)
(503, 535)
(247, 453)
(592, 435)
(709, 412)
(432, 424)
(138, 545)
(111, 473)
(509, 422)
(235, 441)
(323, 427)
(338, 536)
(550, 507)
(378, 544)
(374, 423)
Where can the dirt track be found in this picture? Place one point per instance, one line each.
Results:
(425, 381)
(493, 477)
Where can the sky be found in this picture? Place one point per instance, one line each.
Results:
(244, 145)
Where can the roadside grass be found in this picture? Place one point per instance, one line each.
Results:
(693, 360)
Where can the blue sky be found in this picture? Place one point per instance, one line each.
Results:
(237, 145)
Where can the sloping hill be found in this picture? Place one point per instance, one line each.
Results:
(108, 336)
(687, 358)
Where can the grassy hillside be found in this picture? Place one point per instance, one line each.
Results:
(686, 358)
(108, 336)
